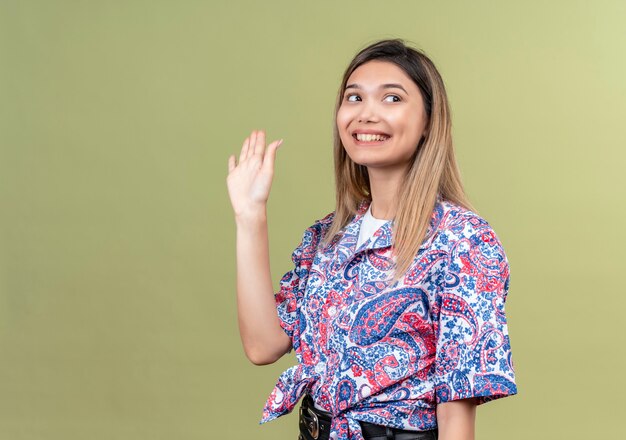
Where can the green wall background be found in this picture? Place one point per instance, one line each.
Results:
(117, 251)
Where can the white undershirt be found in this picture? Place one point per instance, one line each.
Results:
(369, 225)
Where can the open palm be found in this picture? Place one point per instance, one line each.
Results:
(249, 181)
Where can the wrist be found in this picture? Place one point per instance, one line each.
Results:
(253, 216)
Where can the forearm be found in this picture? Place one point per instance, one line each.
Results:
(263, 339)
(456, 419)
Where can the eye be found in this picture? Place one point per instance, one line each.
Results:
(393, 96)
(349, 97)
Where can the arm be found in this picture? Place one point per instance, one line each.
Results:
(263, 339)
(455, 419)
(249, 182)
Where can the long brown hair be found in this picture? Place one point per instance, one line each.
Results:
(433, 170)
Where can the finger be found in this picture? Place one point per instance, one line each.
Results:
(270, 155)
(253, 140)
(231, 163)
(260, 142)
(244, 150)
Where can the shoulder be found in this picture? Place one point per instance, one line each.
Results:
(475, 258)
(320, 225)
(456, 219)
(313, 234)
(325, 221)
(460, 226)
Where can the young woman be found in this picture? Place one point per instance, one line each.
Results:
(395, 303)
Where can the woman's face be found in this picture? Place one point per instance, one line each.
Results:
(381, 118)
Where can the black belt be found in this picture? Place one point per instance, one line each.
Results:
(315, 425)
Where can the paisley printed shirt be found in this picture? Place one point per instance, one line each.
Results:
(388, 354)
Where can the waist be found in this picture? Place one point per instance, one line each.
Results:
(315, 424)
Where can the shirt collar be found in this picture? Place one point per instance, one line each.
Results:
(346, 246)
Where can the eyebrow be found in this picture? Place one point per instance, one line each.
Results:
(382, 86)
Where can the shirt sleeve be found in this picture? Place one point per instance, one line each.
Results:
(473, 351)
(293, 285)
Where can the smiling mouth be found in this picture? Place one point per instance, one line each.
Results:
(362, 138)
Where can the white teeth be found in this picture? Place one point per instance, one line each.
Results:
(371, 137)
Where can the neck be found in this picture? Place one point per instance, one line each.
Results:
(383, 185)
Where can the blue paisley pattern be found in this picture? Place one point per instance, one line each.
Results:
(388, 354)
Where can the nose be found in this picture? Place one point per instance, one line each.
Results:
(368, 112)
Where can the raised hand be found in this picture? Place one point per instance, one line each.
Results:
(249, 181)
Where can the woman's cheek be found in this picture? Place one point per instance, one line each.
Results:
(343, 131)
(345, 115)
